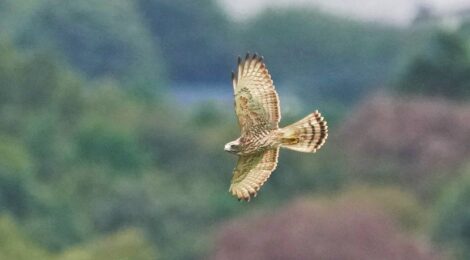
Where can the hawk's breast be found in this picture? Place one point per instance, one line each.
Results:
(258, 140)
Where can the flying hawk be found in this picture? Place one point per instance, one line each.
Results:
(258, 112)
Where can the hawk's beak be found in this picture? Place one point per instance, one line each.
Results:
(227, 148)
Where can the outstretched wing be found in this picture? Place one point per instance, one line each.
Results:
(251, 173)
(256, 100)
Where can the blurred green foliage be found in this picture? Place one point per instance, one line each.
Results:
(196, 38)
(342, 65)
(145, 42)
(125, 244)
(129, 244)
(440, 69)
(16, 194)
(451, 223)
(15, 245)
(99, 39)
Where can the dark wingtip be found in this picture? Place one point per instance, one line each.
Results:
(247, 56)
(233, 75)
(259, 57)
(239, 60)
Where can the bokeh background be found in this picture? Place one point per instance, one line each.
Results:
(113, 117)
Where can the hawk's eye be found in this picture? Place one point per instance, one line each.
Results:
(233, 146)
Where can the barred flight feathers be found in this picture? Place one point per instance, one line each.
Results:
(306, 135)
(251, 173)
(256, 101)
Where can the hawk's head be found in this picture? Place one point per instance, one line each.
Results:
(233, 146)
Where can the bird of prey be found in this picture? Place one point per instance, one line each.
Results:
(258, 112)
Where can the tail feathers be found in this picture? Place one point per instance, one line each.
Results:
(307, 135)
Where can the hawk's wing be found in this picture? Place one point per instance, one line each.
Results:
(256, 101)
(251, 173)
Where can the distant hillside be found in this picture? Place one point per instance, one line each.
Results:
(411, 140)
(321, 55)
(144, 43)
(319, 229)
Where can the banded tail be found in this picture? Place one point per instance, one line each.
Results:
(306, 135)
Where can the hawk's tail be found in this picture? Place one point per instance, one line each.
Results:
(306, 135)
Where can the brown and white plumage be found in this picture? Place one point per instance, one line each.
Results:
(258, 112)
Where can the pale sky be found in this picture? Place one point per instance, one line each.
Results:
(399, 12)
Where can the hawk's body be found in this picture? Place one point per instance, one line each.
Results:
(258, 112)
